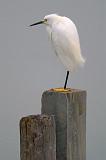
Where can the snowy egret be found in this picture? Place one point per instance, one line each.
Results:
(65, 40)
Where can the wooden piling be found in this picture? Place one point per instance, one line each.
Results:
(69, 110)
(37, 138)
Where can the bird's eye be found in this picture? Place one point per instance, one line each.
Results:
(45, 20)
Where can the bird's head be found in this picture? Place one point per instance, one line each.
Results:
(48, 20)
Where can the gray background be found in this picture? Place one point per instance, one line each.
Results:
(28, 66)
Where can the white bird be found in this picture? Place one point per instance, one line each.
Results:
(65, 40)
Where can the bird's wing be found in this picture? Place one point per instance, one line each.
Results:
(66, 44)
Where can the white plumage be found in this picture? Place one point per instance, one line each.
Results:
(65, 40)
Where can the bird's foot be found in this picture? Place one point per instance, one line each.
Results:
(60, 89)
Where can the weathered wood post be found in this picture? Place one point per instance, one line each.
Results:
(37, 138)
(69, 110)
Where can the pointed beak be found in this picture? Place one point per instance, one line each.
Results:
(40, 22)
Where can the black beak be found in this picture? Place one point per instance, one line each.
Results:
(37, 23)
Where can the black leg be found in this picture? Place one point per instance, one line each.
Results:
(65, 85)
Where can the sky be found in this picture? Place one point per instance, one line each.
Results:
(28, 67)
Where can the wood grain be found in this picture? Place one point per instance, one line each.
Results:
(37, 138)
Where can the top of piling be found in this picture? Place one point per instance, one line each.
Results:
(62, 90)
